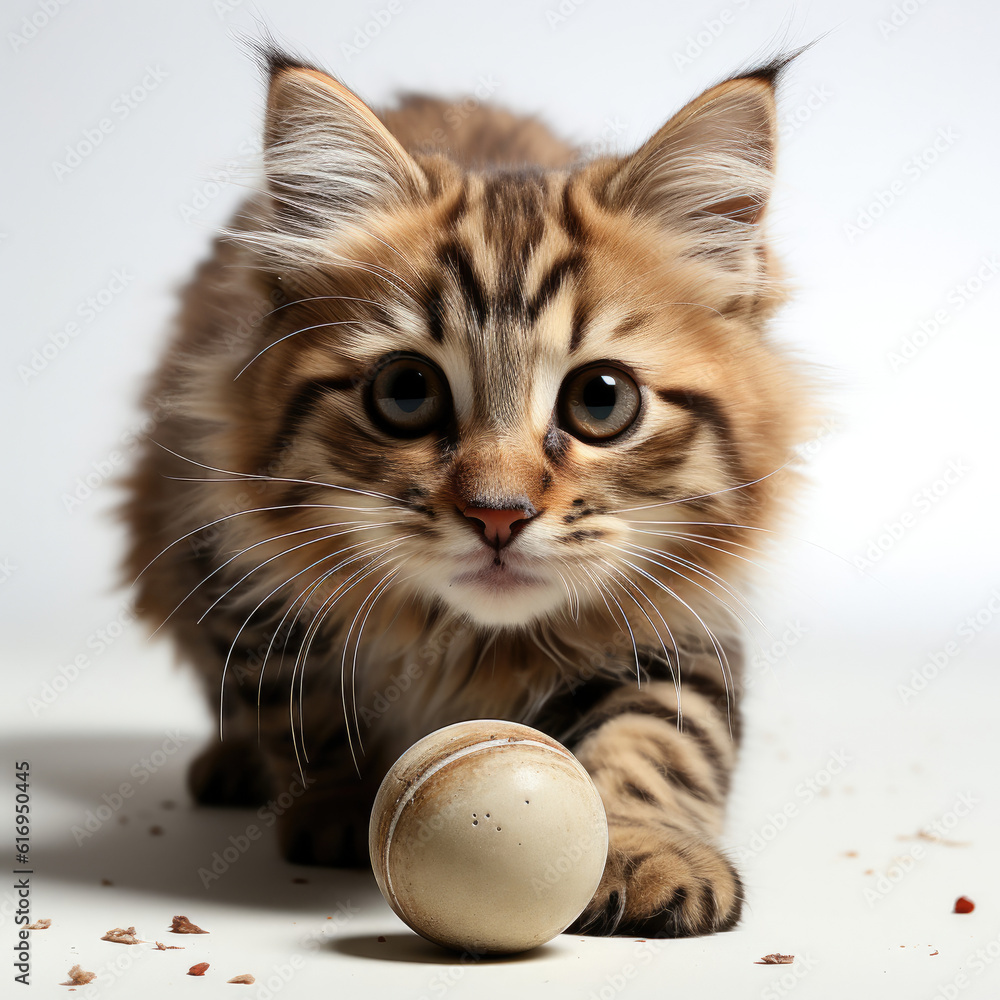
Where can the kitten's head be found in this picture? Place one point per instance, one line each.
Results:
(553, 388)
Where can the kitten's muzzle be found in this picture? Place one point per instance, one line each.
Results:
(498, 526)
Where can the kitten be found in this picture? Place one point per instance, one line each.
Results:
(454, 425)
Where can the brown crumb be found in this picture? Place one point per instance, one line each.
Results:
(181, 925)
(850, 854)
(964, 905)
(300, 881)
(933, 838)
(775, 959)
(160, 946)
(106, 881)
(246, 979)
(932, 954)
(40, 925)
(869, 871)
(381, 939)
(78, 976)
(156, 831)
(198, 970)
(121, 935)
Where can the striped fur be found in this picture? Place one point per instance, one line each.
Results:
(318, 571)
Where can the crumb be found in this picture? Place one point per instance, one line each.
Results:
(198, 970)
(932, 954)
(121, 935)
(775, 959)
(106, 881)
(869, 871)
(79, 977)
(40, 925)
(850, 854)
(964, 905)
(156, 831)
(246, 978)
(168, 804)
(181, 925)
(933, 838)
(160, 946)
(300, 881)
(381, 939)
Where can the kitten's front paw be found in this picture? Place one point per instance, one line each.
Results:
(658, 883)
(229, 773)
(329, 830)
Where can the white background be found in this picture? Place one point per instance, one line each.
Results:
(861, 113)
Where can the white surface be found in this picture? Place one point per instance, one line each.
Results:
(857, 109)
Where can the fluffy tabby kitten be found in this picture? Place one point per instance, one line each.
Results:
(456, 425)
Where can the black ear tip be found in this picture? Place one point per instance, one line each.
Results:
(272, 58)
(770, 72)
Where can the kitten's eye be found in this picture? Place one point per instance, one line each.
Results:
(409, 396)
(599, 402)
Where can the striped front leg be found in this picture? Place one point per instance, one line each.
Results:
(664, 791)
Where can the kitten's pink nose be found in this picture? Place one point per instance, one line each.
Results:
(499, 525)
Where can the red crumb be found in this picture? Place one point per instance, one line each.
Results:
(300, 881)
(160, 946)
(181, 925)
(156, 831)
(381, 939)
(79, 977)
(775, 959)
(964, 905)
(246, 979)
(198, 970)
(40, 925)
(121, 935)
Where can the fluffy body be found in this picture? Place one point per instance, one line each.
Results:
(319, 573)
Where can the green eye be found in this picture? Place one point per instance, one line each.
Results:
(409, 396)
(599, 402)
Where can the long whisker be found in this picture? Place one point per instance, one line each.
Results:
(704, 496)
(674, 674)
(279, 479)
(287, 336)
(236, 638)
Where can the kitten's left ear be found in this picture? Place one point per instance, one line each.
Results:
(327, 157)
(707, 174)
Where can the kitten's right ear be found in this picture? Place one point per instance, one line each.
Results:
(327, 157)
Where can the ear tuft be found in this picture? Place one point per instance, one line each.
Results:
(328, 159)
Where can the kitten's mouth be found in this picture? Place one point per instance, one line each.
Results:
(499, 576)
